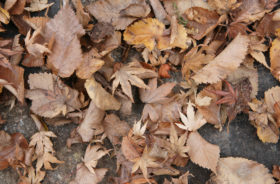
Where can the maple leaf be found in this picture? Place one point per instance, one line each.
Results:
(241, 170)
(100, 96)
(193, 121)
(131, 74)
(38, 5)
(114, 11)
(225, 63)
(202, 152)
(44, 150)
(139, 130)
(154, 97)
(92, 123)
(33, 177)
(66, 54)
(144, 162)
(92, 155)
(50, 97)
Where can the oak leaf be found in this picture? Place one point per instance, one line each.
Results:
(131, 74)
(202, 152)
(100, 96)
(66, 54)
(225, 63)
(114, 11)
(237, 170)
(50, 97)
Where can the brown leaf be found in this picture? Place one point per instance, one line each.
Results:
(163, 71)
(11, 77)
(100, 31)
(66, 54)
(202, 152)
(115, 128)
(109, 11)
(91, 124)
(12, 149)
(50, 97)
(18, 7)
(274, 58)
(100, 96)
(159, 11)
(225, 63)
(83, 16)
(38, 5)
(131, 74)
(128, 150)
(276, 172)
(241, 170)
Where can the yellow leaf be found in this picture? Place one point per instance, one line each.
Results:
(4, 16)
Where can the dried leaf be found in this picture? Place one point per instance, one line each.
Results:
(202, 152)
(38, 5)
(225, 63)
(159, 11)
(83, 16)
(131, 74)
(241, 170)
(50, 97)
(100, 96)
(128, 150)
(66, 54)
(193, 121)
(91, 124)
(110, 11)
(274, 58)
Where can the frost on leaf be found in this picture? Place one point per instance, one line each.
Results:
(202, 152)
(225, 63)
(65, 30)
(50, 97)
(241, 171)
(131, 74)
(44, 152)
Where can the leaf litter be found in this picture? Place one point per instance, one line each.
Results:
(213, 44)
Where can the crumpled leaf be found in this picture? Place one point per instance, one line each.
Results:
(240, 170)
(91, 124)
(66, 54)
(50, 97)
(225, 63)
(193, 121)
(131, 74)
(92, 155)
(100, 96)
(38, 5)
(11, 77)
(114, 11)
(202, 152)
(154, 97)
(44, 151)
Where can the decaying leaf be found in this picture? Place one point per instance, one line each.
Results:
(240, 170)
(225, 63)
(100, 96)
(66, 54)
(44, 151)
(202, 152)
(110, 11)
(131, 74)
(50, 97)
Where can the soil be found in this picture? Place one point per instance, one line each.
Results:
(240, 141)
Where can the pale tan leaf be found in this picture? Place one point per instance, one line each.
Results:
(274, 58)
(38, 5)
(225, 63)
(100, 96)
(202, 152)
(66, 54)
(272, 96)
(235, 170)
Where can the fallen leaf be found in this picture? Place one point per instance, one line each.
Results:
(128, 150)
(91, 124)
(131, 74)
(83, 16)
(44, 150)
(159, 11)
(202, 152)
(50, 97)
(38, 5)
(110, 11)
(4, 15)
(17, 8)
(274, 58)
(100, 96)
(100, 31)
(163, 71)
(240, 170)
(225, 63)
(66, 54)
(276, 172)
